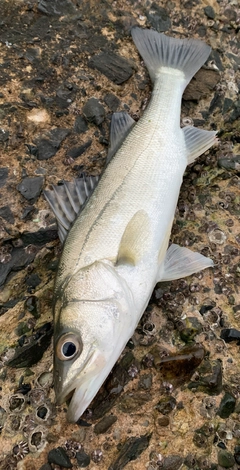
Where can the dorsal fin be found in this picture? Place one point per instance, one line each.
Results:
(121, 125)
(68, 199)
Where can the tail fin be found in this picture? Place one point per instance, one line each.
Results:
(158, 50)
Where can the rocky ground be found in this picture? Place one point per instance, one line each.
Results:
(172, 400)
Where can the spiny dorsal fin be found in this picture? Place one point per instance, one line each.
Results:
(197, 141)
(135, 240)
(67, 201)
(121, 125)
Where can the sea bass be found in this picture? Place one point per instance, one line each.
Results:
(116, 246)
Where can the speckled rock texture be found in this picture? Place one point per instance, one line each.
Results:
(172, 400)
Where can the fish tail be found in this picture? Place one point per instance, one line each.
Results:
(158, 51)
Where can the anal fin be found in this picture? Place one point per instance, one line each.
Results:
(198, 141)
(181, 262)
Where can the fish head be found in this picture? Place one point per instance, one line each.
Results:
(93, 322)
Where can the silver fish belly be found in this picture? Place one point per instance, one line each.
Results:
(117, 248)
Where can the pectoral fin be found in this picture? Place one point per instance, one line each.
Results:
(67, 201)
(136, 239)
(121, 125)
(198, 141)
(181, 262)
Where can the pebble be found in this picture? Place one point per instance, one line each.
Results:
(105, 423)
(210, 378)
(83, 459)
(3, 176)
(158, 18)
(59, 456)
(209, 12)
(112, 102)
(31, 187)
(75, 152)
(172, 462)
(113, 66)
(6, 214)
(94, 111)
(237, 454)
(130, 450)
(204, 82)
(80, 125)
(30, 354)
(48, 145)
(225, 459)
(226, 406)
(166, 404)
(230, 334)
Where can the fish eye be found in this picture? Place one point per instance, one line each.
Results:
(68, 347)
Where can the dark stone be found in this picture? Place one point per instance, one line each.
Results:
(201, 85)
(113, 66)
(166, 404)
(159, 18)
(4, 135)
(75, 152)
(236, 112)
(237, 454)
(178, 368)
(41, 237)
(227, 105)
(30, 354)
(226, 406)
(46, 466)
(145, 381)
(130, 450)
(210, 378)
(172, 462)
(83, 459)
(31, 187)
(209, 12)
(33, 280)
(134, 401)
(59, 457)
(94, 111)
(48, 145)
(217, 102)
(189, 329)
(3, 176)
(113, 387)
(225, 459)
(209, 305)
(80, 125)
(6, 214)
(230, 334)
(112, 101)
(214, 55)
(28, 212)
(230, 14)
(19, 258)
(229, 164)
(31, 305)
(105, 423)
(56, 7)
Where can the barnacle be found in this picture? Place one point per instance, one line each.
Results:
(13, 423)
(72, 447)
(45, 380)
(17, 402)
(37, 396)
(37, 438)
(20, 450)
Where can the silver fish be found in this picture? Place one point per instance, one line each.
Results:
(117, 248)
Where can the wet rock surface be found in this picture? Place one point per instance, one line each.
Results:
(57, 57)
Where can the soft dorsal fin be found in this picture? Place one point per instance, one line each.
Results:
(135, 240)
(121, 125)
(198, 141)
(181, 262)
(67, 201)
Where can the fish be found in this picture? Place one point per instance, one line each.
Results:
(116, 228)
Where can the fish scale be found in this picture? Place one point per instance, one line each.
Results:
(117, 249)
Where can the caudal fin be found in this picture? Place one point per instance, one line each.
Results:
(158, 51)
